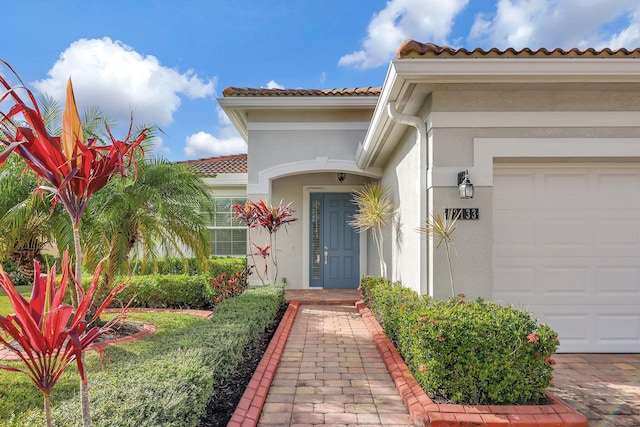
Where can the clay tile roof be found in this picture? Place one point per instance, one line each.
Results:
(212, 166)
(358, 91)
(414, 49)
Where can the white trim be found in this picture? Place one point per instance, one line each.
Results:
(511, 119)
(403, 73)
(237, 107)
(373, 140)
(319, 164)
(302, 126)
(485, 150)
(306, 228)
(524, 70)
(239, 179)
(313, 102)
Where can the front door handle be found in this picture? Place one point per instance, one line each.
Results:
(326, 255)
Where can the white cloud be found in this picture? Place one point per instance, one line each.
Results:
(156, 145)
(119, 80)
(422, 20)
(273, 85)
(557, 23)
(628, 37)
(227, 141)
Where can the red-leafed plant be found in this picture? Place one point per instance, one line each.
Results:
(47, 334)
(228, 286)
(270, 218)
(74, 167)
(264, 253)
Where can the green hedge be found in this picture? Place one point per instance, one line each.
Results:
(466, 352)
(216, 266)
(168, 291)
(171, 384)
(12, 270)
(181, 290)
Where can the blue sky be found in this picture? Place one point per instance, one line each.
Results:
(168, 61)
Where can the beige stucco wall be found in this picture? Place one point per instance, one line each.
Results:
(284, 137)
(535, 97)
(454, 150)
(292, 246)
(292, 153)
(404, 251)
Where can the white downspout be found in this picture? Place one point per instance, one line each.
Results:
(425, 162)
(406, 119)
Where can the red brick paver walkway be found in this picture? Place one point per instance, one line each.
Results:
(603, 387)
(331, 373)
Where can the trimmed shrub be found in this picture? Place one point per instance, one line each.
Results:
(467, 352)
(168, 291)
(230, 286)
(182, 291)
(170, 382)
(16, 276)
(172, 265)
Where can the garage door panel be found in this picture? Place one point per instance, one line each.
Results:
(563, 280)
(571, 327)
(571, 252)
(614, 327)
(567, 280)
(564, 233)
(512, 194)
(514, 281)
(560, 186)
(623, 281)
(580, 329)
(618, 231)
(514, 233)
(612, 186)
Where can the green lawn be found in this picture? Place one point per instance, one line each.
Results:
(5, 307)
(165, 379)
(21, 399)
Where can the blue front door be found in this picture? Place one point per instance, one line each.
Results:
(335, 245)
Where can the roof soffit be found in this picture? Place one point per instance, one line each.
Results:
(409, 82)
(238, 108)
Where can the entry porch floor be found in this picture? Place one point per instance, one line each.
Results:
(323, 296)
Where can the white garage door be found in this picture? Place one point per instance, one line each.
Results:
(567, 248)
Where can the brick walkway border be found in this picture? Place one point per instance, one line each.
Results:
(250, 406)
(428, 413)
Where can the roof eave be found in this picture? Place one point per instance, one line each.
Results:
(484, 70)
(526, 70)
(237, 107)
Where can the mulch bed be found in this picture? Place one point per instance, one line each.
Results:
(228, 393)
(121, 330)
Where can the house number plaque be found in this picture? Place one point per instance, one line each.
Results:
(463, 213)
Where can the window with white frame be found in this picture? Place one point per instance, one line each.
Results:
(227, 236)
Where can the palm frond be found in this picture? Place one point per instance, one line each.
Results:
(440, 227)
(374, 207)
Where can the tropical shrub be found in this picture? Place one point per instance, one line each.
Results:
(230, 286)
(47, 334)
(375, 208)
(17, 278)
(174, 265)
(474, 352)
(270, 218)
(167, 291)
(441, 227)
(75, 167)
(168, 378)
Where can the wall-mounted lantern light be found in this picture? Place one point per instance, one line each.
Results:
(341, 177)
(465, 186)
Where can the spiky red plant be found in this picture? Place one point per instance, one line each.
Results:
(48, 334)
